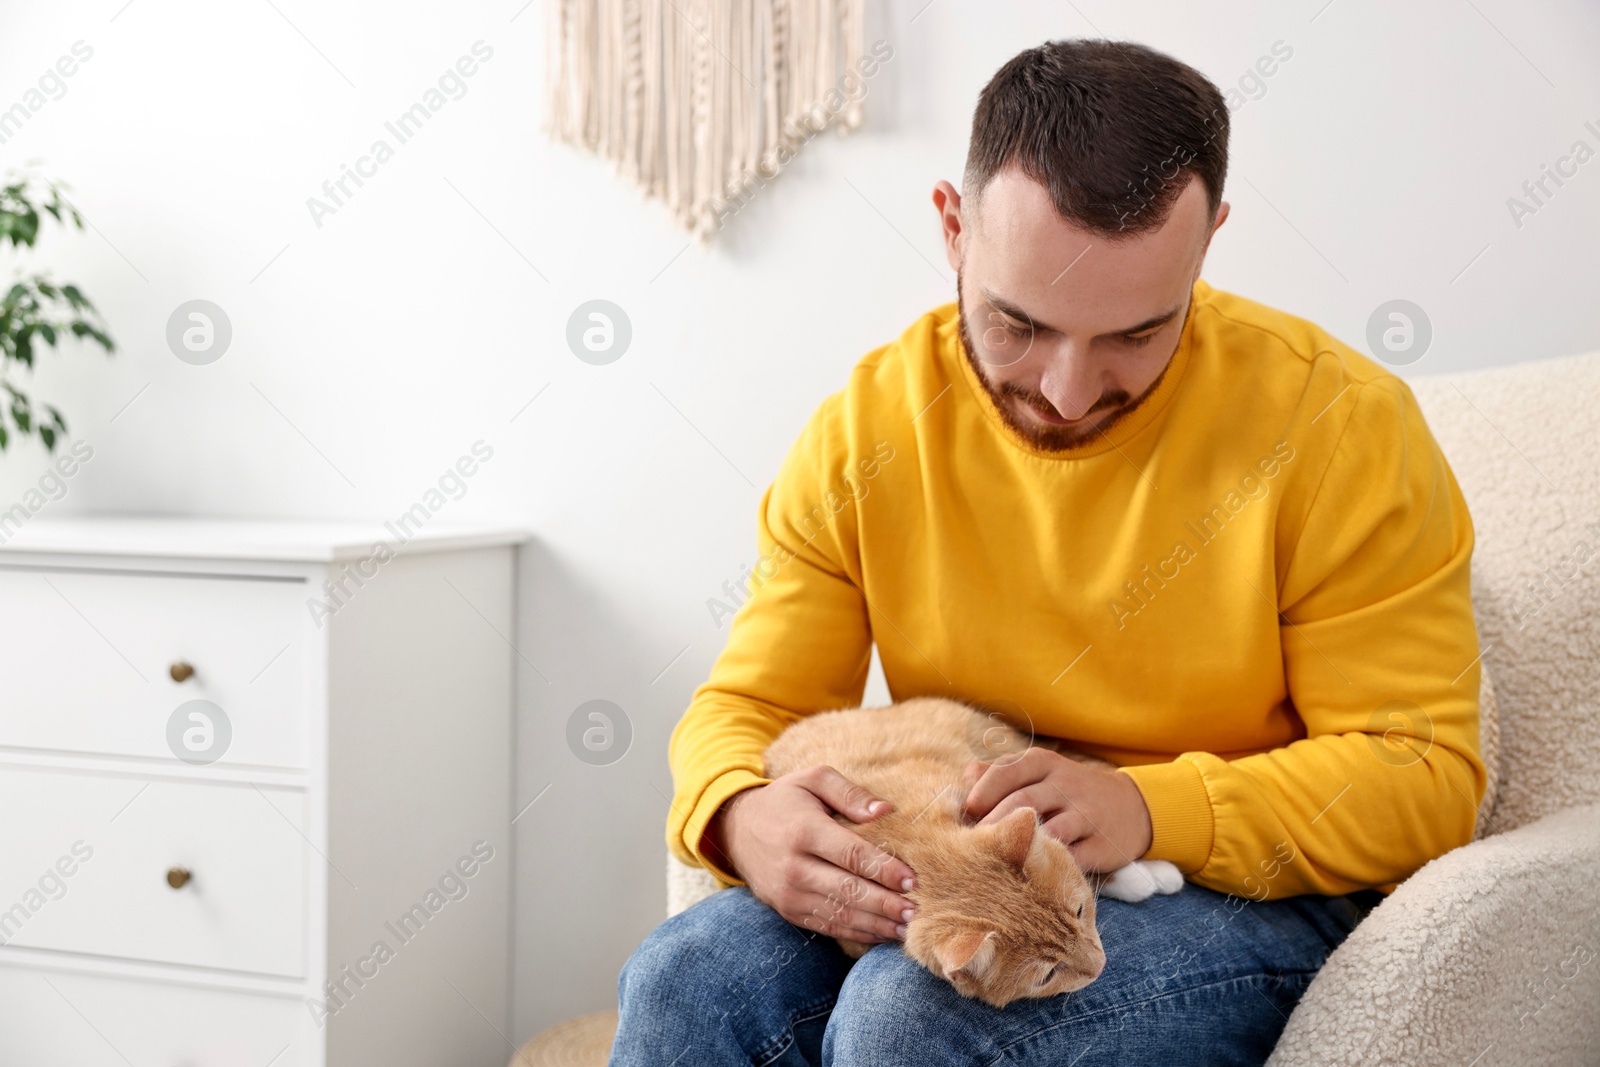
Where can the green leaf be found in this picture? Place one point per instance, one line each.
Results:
(36, 308)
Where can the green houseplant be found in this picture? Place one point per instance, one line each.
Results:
(36, 309)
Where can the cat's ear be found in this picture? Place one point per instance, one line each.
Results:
(969, 953)
(1013, 836)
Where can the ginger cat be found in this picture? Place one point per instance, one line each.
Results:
(1003, 911)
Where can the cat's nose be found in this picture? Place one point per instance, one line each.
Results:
(1087, 969)
(1084, 973)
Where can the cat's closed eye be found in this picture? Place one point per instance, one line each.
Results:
(1049, 975)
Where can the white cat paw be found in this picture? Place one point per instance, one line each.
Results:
(1142, 880)
(1166, 875)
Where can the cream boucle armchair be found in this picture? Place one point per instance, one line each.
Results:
(1491, 953)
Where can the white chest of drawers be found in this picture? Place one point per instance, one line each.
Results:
(255, 793)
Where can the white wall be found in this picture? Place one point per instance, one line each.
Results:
(377, 348)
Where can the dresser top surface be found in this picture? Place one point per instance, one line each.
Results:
(296, 540)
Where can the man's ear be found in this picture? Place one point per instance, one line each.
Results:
(948, 203)
(969, 953)
(1012, 837)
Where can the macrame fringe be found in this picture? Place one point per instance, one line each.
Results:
(698, 102)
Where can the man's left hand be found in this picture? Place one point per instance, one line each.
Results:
(1098, 813)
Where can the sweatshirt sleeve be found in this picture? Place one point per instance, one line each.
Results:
(1380, 653)
(800, 643)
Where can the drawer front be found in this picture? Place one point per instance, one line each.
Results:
(86, 658)
(70, 1020)
(86, 869)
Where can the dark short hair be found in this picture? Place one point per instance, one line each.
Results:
(1107, 127)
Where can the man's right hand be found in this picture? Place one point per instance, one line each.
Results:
(781, 838)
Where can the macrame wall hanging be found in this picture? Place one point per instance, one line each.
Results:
(701, 102)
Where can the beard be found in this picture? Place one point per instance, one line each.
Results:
(1045, 437)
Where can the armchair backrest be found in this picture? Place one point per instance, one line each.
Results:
(1524, 444)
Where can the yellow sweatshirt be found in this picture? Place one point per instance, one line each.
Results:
(1252, 594)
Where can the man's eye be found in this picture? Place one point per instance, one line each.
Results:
(1137, 341)
(1017, 331)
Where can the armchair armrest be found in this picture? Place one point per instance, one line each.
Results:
(686, 885)
(1489, 954)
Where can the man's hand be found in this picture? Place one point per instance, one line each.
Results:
(781, 838)
(1098, 813)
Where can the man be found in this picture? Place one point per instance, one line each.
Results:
(1186, 532)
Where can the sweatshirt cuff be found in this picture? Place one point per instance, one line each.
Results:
(721, 788)
(1181, 821)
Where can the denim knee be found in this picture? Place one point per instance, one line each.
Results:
(674, 965)
(892, 1012)
(729, 981)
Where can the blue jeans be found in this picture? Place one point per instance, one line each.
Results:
(1194, 978)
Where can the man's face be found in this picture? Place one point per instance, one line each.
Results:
(1068, 331)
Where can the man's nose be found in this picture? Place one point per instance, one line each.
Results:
(1070, 380)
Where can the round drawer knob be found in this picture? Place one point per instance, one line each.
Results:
(180, 671)
(178, 877)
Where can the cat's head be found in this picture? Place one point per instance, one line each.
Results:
(1012, 917)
